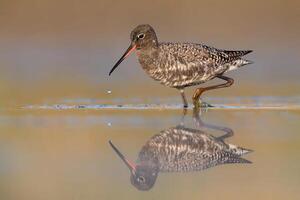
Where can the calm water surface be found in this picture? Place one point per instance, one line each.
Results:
(51, 50)
(47, 154)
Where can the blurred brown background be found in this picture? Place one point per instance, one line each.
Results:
(56, 49)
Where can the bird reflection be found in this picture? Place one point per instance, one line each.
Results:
(182, 149)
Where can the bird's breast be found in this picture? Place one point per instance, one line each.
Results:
(153, 66)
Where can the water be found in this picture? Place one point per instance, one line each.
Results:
(59, 108)
(61, 154)
(225, 103)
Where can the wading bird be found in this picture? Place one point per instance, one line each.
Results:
(181, 65)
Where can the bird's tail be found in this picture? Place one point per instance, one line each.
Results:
(236, 54)
(245, 62)
(237, 64)
(239, 150)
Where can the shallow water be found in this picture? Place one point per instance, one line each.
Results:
(225, 103)
(59, 108)
(62, 154)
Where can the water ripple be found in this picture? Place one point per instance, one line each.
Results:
(239, 103)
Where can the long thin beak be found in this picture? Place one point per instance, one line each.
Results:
(127, 52)
(130, 165)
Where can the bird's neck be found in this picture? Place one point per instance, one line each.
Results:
(149, 53)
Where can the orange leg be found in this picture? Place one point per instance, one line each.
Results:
(198, 92)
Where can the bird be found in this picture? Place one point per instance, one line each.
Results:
(180, 149)
(181, 65)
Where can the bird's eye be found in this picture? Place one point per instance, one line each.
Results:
(141, 36)
(141, 179)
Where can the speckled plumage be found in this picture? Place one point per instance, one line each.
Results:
(180, 65)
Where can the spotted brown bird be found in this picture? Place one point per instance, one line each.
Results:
(181, 149)
(181, 65)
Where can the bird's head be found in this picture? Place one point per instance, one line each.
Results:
(143, 37)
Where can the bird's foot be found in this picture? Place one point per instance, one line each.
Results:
(201, 104)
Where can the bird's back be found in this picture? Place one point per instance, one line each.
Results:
(186, 64)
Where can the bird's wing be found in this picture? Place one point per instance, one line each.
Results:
(199, 53)
(234, 55)
(185, 53)
(189, 63)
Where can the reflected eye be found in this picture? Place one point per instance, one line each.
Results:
(141, 179)
(141, 36)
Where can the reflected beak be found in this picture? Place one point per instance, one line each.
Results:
(130, 165)
(130, 49)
